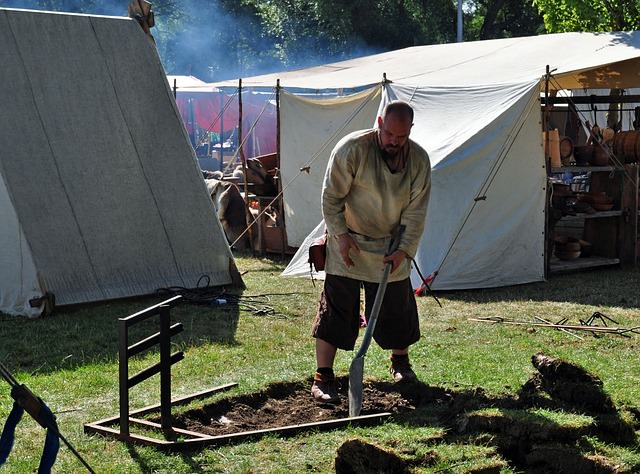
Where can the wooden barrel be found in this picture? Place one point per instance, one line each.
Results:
(626, 146)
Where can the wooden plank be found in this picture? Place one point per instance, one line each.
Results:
(629, 224)
(561, 266)
(144, 374)
(282, 431)
(592, 99)
(150, 311)
(204, 440)
(158, 426)
(144, 440)
(176, 401)
(152, 340)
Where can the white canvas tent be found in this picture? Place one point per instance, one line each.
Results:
(100, 193)
(478, 115)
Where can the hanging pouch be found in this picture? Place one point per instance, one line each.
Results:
(318, 253)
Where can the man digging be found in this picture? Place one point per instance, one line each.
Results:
(376, 180)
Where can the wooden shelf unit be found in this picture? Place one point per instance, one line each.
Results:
(614, 234)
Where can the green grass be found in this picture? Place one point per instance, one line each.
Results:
(70, 360)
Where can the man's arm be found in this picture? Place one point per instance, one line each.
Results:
(335, 187)
(337, 183)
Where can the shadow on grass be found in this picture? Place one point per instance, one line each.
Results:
(611, 286)
(77, 335)
(524, 438)
(600, 286)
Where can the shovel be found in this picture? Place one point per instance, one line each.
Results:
(356, 371)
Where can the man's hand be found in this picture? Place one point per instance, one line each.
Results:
(346, 243)
(396, 258)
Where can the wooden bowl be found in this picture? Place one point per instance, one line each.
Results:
(564, 243)
(567, 255)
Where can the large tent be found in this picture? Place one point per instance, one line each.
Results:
(100, 193)
(478, 114)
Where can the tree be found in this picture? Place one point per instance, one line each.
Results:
(308, 32)
(491, 19)
(595, 15)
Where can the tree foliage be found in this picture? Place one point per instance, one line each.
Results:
(309, 31)
(595, 15)
(491, 19)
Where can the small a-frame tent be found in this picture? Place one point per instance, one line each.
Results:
(100, 193)
(478, 114)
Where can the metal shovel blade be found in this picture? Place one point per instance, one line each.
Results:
(356, 371)
(356, 374)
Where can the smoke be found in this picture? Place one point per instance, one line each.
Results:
(215, 43)
(202, 39)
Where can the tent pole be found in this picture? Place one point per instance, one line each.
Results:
(279, 190)
(546, 101)
(244, 170)
(192, 120)
(545, 121)
(278, 123)
(547, 227)
(221, 134)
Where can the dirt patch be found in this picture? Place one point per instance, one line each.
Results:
(288, 404)
(532, 445)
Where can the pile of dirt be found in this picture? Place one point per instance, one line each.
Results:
(525, 444)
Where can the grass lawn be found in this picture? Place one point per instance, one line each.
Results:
(70, 360)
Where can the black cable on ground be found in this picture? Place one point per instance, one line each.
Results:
(258, 305)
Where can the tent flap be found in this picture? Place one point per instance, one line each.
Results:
(303, 162)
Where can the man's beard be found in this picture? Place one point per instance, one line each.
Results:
(389, 152)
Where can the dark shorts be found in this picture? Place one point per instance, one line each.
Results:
(338, 317)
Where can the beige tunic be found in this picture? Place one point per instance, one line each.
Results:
(363, 197)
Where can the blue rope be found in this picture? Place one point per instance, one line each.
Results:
(51, 444)
(8, 433)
